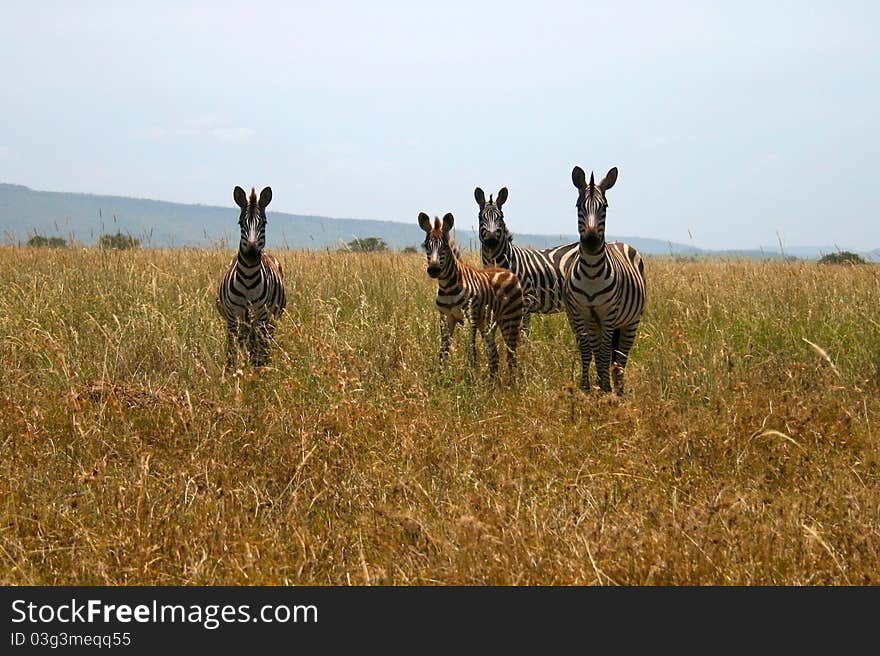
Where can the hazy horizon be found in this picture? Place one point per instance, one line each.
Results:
(732, 127)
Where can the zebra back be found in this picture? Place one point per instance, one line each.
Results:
(541, 273)
(495, 288)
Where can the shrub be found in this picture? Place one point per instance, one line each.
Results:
(119, 241)
(366, 245)
(842, 257)
(39, 241)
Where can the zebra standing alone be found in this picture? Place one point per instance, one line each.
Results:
(604, 287)
(539, 271)
(490, 298)
(251, 294)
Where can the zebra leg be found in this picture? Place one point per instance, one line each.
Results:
(621, 344)
(476, 320)
(488, 332)
(510, 333)
(447, 327)
(586, 352)
(581, 334)
(601, 341)
(527, 324)
(252, 345)
(259, 345)
(265, 341)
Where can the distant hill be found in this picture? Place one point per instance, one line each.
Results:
(24, 211)
(84, 217)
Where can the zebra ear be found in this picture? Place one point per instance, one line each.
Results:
(502, 197)
(424, 222)
(578, 177)
(448, 222)
(240, 197)
(480, 197)
(265, 197)
(609, 179)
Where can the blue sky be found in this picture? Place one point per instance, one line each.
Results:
(729, 124)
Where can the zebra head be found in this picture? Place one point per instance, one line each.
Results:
(493, 231)
(591, 207)
(437, 244)
(252, 222)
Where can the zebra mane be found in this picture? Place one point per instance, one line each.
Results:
(455, 246)
(253, 207)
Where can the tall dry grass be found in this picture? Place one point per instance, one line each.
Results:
(747, 450)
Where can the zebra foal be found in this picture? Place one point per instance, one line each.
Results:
(604, 287)
(251, 294)
(488, 298)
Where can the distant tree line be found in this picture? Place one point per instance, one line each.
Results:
(118, 241)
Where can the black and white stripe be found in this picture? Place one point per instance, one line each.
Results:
(251, 294)
(488, 298)
(539, 271)
(604, 287)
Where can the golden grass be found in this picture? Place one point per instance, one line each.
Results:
(747, 450)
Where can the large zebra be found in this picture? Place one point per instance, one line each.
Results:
(489, 298)
(539, 271)
(604, 287)
(251, 294)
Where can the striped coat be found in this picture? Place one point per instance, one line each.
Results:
(251, 295)
(488, 298)
(539, 271)
(604, 288)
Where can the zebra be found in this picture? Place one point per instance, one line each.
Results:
(251, 294)
(539, 271)
(604, 287)
(489, 298)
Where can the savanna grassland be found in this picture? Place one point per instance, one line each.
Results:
(742, 454)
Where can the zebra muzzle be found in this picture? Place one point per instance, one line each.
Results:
(591, 239)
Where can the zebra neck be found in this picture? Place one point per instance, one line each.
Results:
(594, 265)
(245, 267)
(449, 282)
(500, 257)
